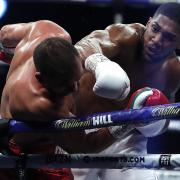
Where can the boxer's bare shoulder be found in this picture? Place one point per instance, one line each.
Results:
(32, 34)
(122, 33)
(111, 40)
(172, 64)
(171, 70)
(49, 28)
(37, 31)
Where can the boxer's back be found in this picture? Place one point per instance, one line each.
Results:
(23, 94)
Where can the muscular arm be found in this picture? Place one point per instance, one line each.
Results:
(12, 34)
(172, 71)
(80, 142)
(111, 42)
(27, 36)
(72, 142)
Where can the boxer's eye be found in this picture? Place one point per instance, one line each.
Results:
(155, 28)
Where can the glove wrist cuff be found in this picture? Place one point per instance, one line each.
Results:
(119, 131)
(92, 61)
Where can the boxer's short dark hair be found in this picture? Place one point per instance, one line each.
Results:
(56, 57)
(171, 10)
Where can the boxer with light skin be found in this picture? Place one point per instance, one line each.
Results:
(41, 82)
(31, 92)
(147, 54)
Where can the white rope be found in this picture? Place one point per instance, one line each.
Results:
(108, 161)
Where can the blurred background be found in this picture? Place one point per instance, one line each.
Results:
(79, 18)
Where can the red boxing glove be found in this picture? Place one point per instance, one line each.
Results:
(157, 98)
(149, 97)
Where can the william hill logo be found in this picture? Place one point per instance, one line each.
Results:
(167, 111)
(88, 123)
(104, 119)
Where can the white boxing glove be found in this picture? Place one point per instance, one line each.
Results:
(111, 80)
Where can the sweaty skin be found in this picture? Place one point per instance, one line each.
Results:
(25, 98)
(124, 45)
(147, 55)
(30, 95)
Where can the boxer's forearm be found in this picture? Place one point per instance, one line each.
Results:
(11, 35)
(80, 142)
(86, 48)
(93, 142)
(97, 141)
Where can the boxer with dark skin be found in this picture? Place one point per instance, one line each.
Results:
(147, 54)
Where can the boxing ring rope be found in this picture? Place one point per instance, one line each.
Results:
(143, 115)
(111, 161)
(108, 161)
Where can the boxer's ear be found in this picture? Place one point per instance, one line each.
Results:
(148, 21)
(38, 76)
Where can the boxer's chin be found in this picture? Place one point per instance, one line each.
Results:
(147, 56)
(150, 57)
